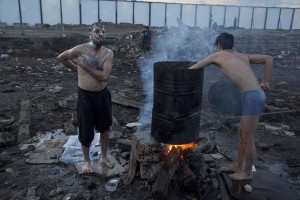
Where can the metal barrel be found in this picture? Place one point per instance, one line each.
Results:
(177, 102)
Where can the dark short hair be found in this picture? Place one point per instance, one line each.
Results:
(226, 40)
(98, 23)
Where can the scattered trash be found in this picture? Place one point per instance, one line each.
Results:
(248, 188)
(289, 133)
(56, 89)
(73, 151)
(217, 156)
(36, 141)
(6, 119)
(9, 170)
(4, 56)
(133, 124)
(41, 137)
(6, 138)
(112, 184)
(272, 128)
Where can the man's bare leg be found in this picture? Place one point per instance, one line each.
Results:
(104, 140)
(249, 124)
(236, 165)
(86, 168)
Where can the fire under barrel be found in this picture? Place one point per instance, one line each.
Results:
(177, 102)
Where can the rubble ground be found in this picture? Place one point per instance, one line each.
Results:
(36, 75)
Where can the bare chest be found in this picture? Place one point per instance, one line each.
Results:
(95, 61)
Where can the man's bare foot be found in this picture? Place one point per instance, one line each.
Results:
(241, 175)
(86, 167)
(107, 162)
(232, 167)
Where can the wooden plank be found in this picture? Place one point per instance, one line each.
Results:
(25, 112)
(117, 98)
(23, 133)
(24, 121)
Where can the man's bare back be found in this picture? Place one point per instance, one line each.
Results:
(236, 67)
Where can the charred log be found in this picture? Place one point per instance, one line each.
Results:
(161, 184)
(186, 176)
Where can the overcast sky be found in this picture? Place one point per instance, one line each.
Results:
(265, 3)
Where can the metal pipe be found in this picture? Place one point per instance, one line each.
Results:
(266, 17)
(41, 12)
(195, 23)
(166, 14)
(116, 12)
(20, 13)
(133, 21)
(278, 23)
(239, 15)
(149, 23)
(61, 16)
(98, 9)
(180, 11)
(80, 17)
(292, 20)
(252, 18)
(224, 18)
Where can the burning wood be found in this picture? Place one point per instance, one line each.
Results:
(168, 148)
(184, 165)
(186, 175)
(174, 162)
(161, 184)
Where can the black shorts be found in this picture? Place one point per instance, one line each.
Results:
(93, 112)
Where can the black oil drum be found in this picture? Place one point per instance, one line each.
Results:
(177, 102)
(226, 97)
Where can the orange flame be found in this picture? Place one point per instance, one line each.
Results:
(182, 146)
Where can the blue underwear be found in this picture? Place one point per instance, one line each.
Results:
(253, 102)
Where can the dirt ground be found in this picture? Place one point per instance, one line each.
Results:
(34, 74)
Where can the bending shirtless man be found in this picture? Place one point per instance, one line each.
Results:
(94, 99)
(236, 67)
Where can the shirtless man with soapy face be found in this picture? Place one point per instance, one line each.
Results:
(94, 110)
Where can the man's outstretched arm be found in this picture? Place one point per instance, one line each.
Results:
(204, 62)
